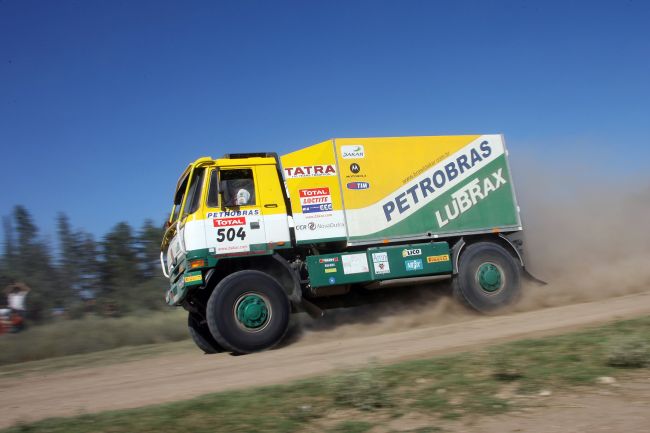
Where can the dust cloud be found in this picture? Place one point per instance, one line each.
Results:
(586, 234)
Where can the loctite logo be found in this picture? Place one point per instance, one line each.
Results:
(358, 185)
(310, 171)
(314, 200)
(227, 222)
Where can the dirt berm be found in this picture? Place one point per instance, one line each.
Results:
(168, 378)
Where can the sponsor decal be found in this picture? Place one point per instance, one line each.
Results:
(330, 270)
(358, 185)
(380, 263)
(317, 226)
(227, 222)
(424, 186)
(436, 259)
(466, 197)
(193, 278)
(414, 265)
(315, 200)
(411, 252)
(355, 168)
(382, 268)
(355, 263)
(332, 280)
(352, 152)
(310, 171)
(328, 260)
(233, 213)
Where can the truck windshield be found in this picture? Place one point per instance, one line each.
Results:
(193, 194)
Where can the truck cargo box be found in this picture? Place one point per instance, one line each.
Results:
(378, 190)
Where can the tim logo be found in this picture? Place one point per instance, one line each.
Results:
(358, 185)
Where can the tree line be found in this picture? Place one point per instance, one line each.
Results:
(116, 275)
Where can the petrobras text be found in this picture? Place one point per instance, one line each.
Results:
(468, 161)
(233, 213)
(470, 194)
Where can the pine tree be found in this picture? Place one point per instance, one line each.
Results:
(32, 264)
(149, 240)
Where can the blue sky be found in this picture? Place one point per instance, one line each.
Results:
(103, 103)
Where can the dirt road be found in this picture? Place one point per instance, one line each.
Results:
(174, 377)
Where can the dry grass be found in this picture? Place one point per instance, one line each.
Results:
(92, 334)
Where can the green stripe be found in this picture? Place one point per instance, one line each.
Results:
(319, 240)
(496, 210)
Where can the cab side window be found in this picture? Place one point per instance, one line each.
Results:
(236, 185)
(194, 193)
(213, 191)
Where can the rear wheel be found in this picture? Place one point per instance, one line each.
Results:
(248, 311)
(488, 277)
(201, 335)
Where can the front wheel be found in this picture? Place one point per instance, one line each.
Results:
(488, 277)
(248, 311)
(201, 335)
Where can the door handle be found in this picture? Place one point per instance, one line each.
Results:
(255, 225)
(271, 205)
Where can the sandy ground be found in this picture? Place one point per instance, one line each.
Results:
(611, 407)
(619, 407)
(181, 376)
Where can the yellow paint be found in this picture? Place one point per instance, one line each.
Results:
(268, 189)
(386, 165)
(321, 154)
(391, 162)
(192, 278)
(436, 259)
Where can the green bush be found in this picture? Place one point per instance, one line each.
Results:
(632, 352)
(364, 389)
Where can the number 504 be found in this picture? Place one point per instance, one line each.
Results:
(230, 234)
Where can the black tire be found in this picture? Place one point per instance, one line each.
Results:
(231, 294)
(475, 290)
(201, 335)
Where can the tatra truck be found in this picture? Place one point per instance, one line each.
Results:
(253, 237)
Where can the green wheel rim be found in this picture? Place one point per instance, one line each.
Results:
(252, 311)
(489, 277)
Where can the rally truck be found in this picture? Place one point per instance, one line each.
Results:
(255, 237)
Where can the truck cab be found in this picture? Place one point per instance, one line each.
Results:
(227, 207)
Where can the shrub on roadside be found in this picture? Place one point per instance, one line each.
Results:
(632, 352)
(364, 389)
(92, 334)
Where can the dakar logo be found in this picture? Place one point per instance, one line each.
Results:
(352, 152)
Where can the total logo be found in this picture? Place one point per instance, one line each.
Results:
(358, 185)
(228, 222)
(353, 152)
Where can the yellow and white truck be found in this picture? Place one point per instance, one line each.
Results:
(254, 237)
